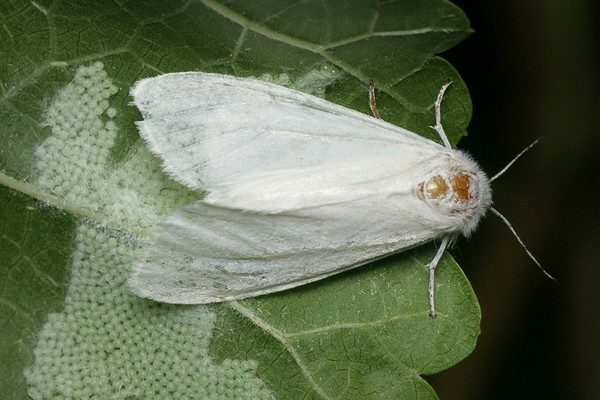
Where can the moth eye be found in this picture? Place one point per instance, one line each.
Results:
(461, 186)
(435, 188)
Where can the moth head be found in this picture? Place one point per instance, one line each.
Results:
(457, 189)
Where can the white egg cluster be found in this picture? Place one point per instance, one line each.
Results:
(108, 343)
(74, 158)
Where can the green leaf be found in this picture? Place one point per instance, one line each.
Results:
(84, 195)
(35, 246)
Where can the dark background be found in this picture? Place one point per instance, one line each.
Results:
(532, 69)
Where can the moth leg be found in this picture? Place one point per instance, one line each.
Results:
(431, 266)
(438, 116)
(372, 102)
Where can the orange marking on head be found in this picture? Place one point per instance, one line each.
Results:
(461, 184)
(436, 187)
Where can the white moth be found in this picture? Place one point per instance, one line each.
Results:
(297, 188)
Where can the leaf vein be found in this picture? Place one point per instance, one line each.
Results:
(281, 338)
(354, 325)
(407, 32)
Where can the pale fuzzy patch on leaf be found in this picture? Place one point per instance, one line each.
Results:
(74, 162)
(108, 343)
(313, 82)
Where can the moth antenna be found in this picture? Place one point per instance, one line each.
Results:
(503, 219)
(513, 160)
